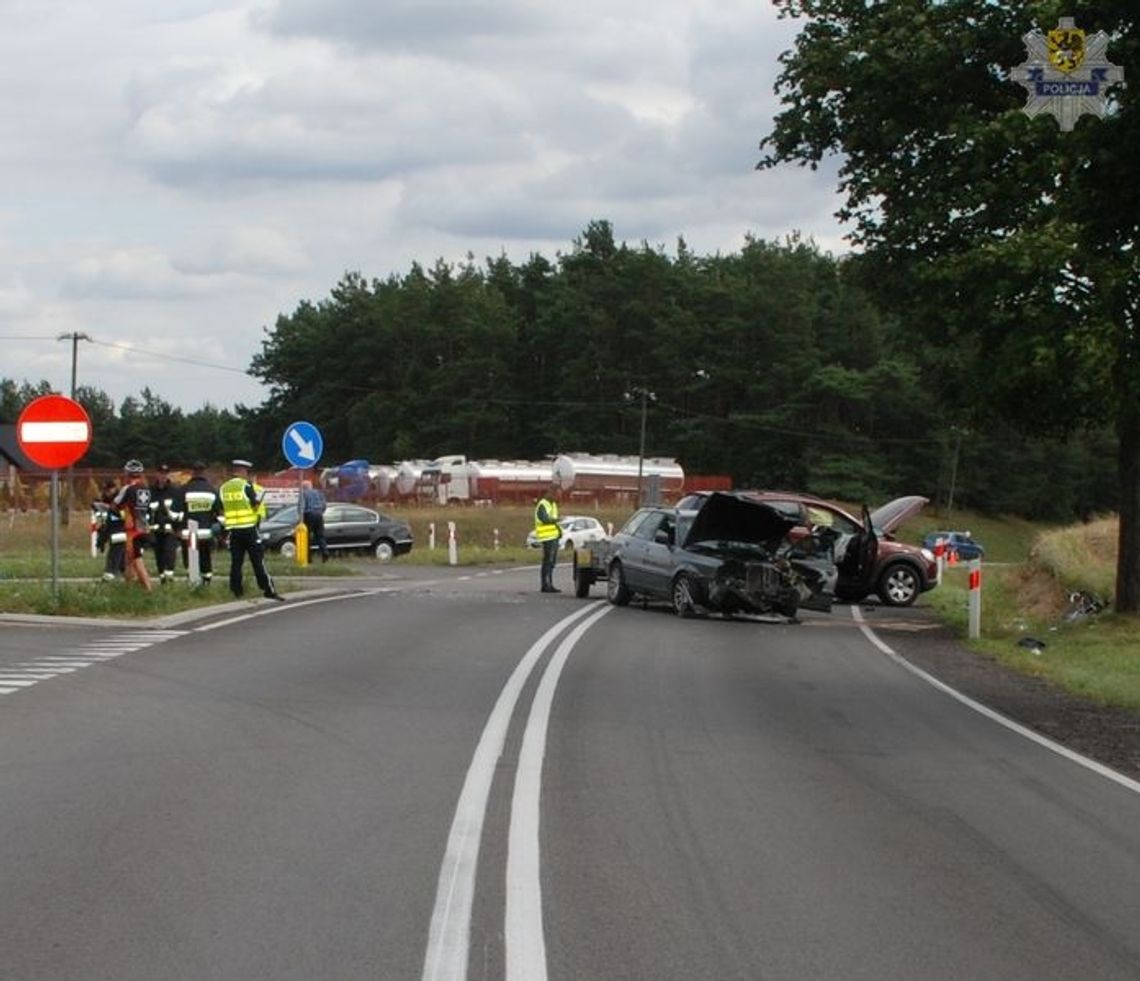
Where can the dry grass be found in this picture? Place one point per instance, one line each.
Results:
(1080, 556)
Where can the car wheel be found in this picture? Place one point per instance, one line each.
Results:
(384, 550)
(288, 548)
(568, 545)
(616, 590)
(684, 602)
(899, 584)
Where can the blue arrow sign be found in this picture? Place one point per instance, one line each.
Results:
(302, 444)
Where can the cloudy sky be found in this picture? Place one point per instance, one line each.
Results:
(175, 174)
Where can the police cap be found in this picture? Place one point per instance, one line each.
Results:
(242, 463)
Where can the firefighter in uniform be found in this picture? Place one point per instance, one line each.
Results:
(548, 532)
(166, 517)
(204, 507)
(244, 507)
(111, 535)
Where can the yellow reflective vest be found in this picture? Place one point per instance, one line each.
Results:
(240, 512)
(546, 530)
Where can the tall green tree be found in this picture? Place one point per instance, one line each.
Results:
(1012, 246)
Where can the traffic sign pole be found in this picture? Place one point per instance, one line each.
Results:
(302, 445)
(54, 533)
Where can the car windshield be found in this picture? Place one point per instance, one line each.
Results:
(285, 516)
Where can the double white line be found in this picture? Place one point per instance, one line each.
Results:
(448, 939)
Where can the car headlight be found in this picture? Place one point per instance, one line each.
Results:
(928, 555)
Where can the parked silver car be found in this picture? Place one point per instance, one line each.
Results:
(577, 530)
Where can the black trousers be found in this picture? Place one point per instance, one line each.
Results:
(205, 556)
(243, 542)
(549, 560)
(165, 551)
(116, 561)
(316, 525)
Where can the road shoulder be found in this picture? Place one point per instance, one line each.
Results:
(1108, 735)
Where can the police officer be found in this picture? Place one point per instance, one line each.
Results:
(243, 506)
(204, 508)
(548, 532)
(166, 517)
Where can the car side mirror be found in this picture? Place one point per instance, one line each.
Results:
(662, 537)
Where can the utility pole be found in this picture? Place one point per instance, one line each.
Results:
(641, 448)
(646, 395)
(953, 472)
(75, 337)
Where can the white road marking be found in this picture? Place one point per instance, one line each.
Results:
(293, 605)
(449, 935)
(525, 939)
(53, 663)
(1036, 737)
(18, 677)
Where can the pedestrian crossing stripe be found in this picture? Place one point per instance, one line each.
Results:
(26, 674)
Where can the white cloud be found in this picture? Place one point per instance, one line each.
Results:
(192, 169)
(133, 274)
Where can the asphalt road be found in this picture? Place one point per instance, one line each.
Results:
(457, 777)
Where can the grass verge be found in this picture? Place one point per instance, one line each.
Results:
(1095, 656)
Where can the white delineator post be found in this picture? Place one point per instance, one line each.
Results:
(975, 599)
(431, 535)
(940, 557)
(193, 569)
(452, 545)
(496, 539)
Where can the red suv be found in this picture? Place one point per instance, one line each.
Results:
(868, 558)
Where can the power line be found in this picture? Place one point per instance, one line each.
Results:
(130, 348)
(168, 357)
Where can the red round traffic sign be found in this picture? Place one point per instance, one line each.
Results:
(54, 431)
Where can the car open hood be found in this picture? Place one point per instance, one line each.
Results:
(725, 517)
(892, 514)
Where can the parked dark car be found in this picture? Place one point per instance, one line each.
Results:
(731, 555)
(348, 527)
(960, 542)
(868, 557)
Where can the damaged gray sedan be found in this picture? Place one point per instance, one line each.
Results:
(730, 556)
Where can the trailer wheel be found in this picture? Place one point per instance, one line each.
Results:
(617, 592)
(583, 580)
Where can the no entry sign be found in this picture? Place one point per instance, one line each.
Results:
(54, 431)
